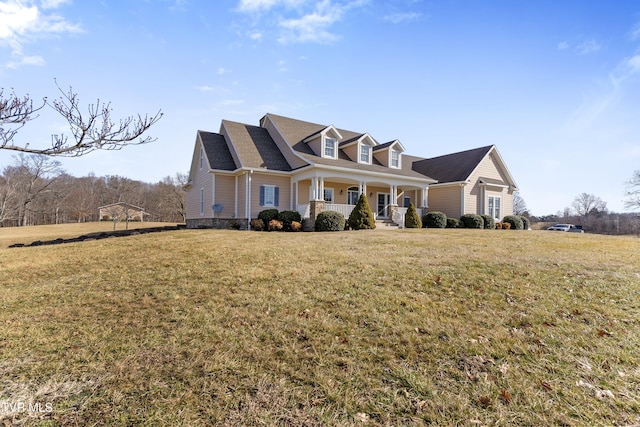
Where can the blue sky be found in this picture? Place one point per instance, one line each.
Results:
(554, 84)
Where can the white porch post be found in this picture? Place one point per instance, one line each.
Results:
(321, 193)
(314, 188)
(235, 203)
(425, 197)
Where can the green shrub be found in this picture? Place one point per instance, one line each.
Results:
(267, 215)
(434, 220)
(330, 221)
(257, 224)
(275, 225)
(361, 217)
(411, 218)
(472, 221)
(287, 217)
(489, 222)
(526, 224)
(454, 223)
(515, 221)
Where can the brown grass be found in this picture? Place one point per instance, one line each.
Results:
(440, 327)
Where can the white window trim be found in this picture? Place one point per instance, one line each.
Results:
(273, 196)
(202, 201)
(329, 189)
(325, 140)
(399, 165)
(360, 147)
(201, 158)
(492, 210)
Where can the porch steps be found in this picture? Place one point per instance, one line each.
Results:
(386, 224)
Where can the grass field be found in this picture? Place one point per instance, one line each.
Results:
(413, 327)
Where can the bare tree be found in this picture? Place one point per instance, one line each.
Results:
(93, 130)
(33, 175)
(519, 205)
(633, 192)
(587, 205)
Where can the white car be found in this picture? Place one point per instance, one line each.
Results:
(567, 227)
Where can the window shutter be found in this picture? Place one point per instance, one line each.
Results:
(262, 195)
(275, 195)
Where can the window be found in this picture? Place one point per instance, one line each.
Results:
(202, 201)
(494, 206)
(365, 154)
(352, 195)
(395, 159)
(328, 195)
(330, 147)
(268, 195)
(201, 158)
(407, 202)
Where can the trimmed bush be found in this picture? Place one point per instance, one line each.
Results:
(434, 220)
(361, 217)
(526, 224)
(275, 225)
(330, 221)
(515, 221)
(489, 222)
(257, 224)
(454, 223)
(287, 217)
(267, 215)
(295, 226)
(411, 218)
(472, 221)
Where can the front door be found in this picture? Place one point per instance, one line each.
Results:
(384, 200)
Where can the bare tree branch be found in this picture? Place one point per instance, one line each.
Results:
(90, 131)
(633, 192)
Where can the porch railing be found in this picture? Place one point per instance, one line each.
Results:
(343, 209)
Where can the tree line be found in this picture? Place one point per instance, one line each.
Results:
(35, 190)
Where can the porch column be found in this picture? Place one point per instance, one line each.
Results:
(393, 190)
(425, 197)
(321, 192)
(314, 188)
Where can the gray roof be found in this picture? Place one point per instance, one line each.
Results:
(454, 167)
(217, 151)
(255, 147)
(295, 131)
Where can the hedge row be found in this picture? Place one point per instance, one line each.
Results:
(272, 220)
(439, 220)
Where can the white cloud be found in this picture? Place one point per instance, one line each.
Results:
(588, 46)
(563, 45)
(24, 21)
(635, 32)
(314, 26)
(634, 63)
(300, 21)
(258, 5)
(398, 18)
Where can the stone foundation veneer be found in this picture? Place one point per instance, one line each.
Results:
(218, 223)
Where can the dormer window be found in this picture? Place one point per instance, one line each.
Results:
(330, 148)
(395, 159)
(365, 154)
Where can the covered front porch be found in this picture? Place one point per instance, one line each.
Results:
(388, 197)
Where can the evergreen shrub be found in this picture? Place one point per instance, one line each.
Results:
(361, 217)
(515, 221)
(472, 221)
(454, 223)
(330, 221)
(489, 222)
(434, 220)
(411, 218)
(267, 215)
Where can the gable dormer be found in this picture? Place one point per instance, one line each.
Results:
(360, 148)
(390, 154)
(324, 143)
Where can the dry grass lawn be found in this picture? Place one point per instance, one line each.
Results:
(420, 327)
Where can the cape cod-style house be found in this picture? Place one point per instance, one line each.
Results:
(289, 164)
